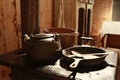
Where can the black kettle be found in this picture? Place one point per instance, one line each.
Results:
(42, 46)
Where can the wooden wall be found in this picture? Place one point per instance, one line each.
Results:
(65, 13)
(45, 14)
(102, 11)
(10, 25)
(10, 31)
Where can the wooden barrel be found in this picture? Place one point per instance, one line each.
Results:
(68, 37)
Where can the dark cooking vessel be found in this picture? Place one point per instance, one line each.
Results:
(42, 46)
(85, 51)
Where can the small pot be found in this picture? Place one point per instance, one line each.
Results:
(42, 46)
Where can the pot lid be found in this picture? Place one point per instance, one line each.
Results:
(41, 36)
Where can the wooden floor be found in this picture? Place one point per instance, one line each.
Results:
(118, 69)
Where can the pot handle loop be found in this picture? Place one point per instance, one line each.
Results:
(75, 63)
(26, 37)
(56, 37)
(45, 31)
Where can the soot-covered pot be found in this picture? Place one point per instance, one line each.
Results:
(42, 46)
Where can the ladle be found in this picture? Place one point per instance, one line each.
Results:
(78, 54)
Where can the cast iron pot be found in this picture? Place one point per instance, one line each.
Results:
(80, 53)
(42, 46)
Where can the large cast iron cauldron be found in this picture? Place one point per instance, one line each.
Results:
(84, 55)
(42, 46)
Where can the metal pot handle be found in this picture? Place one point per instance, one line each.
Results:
(75, 63)
(56, 37)
(45, 31)
(26, 37)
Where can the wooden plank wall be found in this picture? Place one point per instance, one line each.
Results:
(102, 11)
(45, 14)
(10, 25)
(66, 16)
(10, 31)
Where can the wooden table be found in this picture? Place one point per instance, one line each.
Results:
(25, 69)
